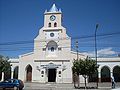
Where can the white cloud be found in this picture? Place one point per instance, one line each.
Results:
(106, 51)
(102, 52)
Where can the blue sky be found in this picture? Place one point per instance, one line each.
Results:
(20, 20)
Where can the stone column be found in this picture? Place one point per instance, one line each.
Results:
(2, 76)
(99, 76)
(111, 74)
(12, 71)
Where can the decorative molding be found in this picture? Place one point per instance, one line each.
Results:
(51, 60)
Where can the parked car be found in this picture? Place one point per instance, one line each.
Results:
(12, 83)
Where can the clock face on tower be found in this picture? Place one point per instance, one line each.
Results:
(51, 34)
(52, 17)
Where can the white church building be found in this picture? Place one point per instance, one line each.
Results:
(52, 57)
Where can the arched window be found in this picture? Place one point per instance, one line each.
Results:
(52, 49)
(55, 24)
(49, 25)
(59, 72)
(52, 46)
(42, 72)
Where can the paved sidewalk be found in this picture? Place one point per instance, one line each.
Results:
(53, 86)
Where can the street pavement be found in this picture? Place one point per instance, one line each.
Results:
(54, 86)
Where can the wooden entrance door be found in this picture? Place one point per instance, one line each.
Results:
(29, 73)
(51, 75)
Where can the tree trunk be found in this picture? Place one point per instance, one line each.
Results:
(74, 84)
(74, 79)
(85, 77)
(78, 81)
(85, 82)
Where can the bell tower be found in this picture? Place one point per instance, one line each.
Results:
(53, 17)
(52, 41)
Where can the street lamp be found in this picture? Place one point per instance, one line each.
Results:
(96, 50)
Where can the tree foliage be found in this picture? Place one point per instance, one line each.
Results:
(4, 64)
(84, 67)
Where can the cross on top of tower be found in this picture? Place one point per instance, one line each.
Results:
(54, 9)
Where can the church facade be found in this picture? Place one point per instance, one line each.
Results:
(52, 58)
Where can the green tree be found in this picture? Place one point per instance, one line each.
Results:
(84, 67)
(76, 70)
(4, 64)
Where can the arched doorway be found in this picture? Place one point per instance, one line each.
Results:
(7, 74)
(52, 75)
(51, 71)
(93, 77)
(29, 73)
(116, 73)
(0, 76)
(15, 74)
(105, 74)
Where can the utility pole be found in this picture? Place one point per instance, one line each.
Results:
(96, 52)
(76, 45)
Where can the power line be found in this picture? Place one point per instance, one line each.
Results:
(38, 48)
(81, 37)
(82, 44)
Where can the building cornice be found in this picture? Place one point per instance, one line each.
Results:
(52, 60)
